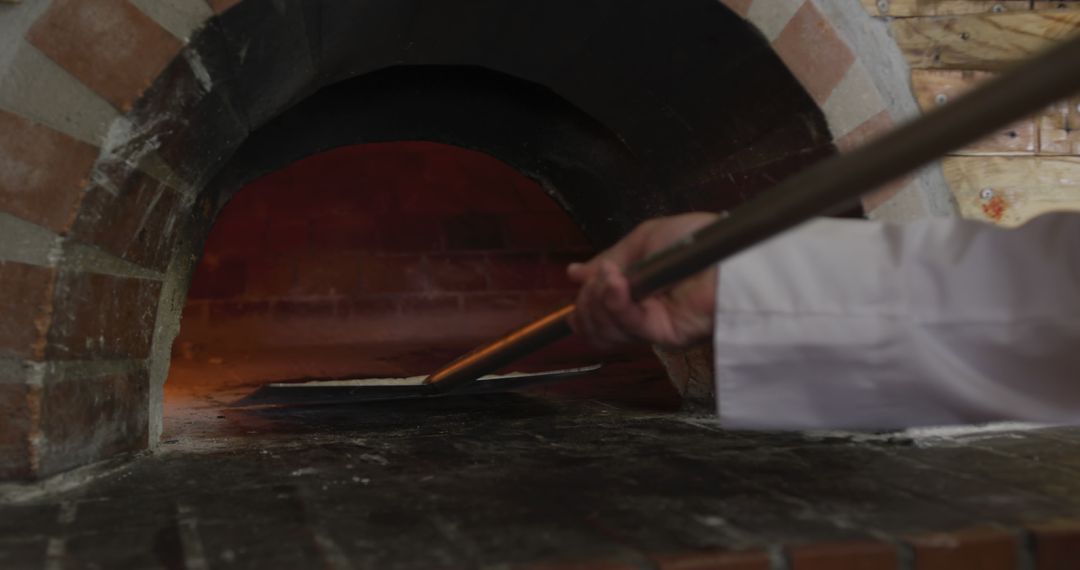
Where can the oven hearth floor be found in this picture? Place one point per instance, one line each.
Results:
(519, 481)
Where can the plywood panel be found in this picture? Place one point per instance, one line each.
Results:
(984, 41)
(1055, 5)
(907, 8)
(1060, 128)
(936, 87)
(1012, 190)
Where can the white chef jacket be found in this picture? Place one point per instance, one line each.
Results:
(861, 324)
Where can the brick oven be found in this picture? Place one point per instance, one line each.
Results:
(171, 142)
(198, 197)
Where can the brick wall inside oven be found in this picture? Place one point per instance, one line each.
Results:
(379, 245)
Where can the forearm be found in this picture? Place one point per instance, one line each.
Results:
(861, 324)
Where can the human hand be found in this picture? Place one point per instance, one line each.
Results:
(679, 316)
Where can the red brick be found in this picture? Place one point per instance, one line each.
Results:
(237, 234)
(102, 316)
(394, 274)
(194, 311)
(517, 271)
(139, 225)
(230, 310)
(346, 180)
(269, 275)
(320, 308)
(109, 45)
(428, 304)
(458, 272)
(720, 560)
(542, 231)
(1057, 545)
(91, 418)
(406, 233)
(25, 306)
(473, 232)
(547, 301)
(218, 277)
(813, 52)
(441, 180)
(494, 302)
(18, 412)
(345, 232)
(328, 273)
(864, 555)
(367, 307)
(42, 172)
(290, 235)
(983, 548)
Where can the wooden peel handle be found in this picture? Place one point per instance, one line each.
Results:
(503, 351)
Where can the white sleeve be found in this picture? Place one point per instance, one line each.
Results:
(859, 324)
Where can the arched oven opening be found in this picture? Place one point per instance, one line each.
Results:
(386, 260)
(390, 222)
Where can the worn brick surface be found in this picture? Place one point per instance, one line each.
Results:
(268, 45)
(367, 307)
(101, 316)
(42, 172)
(986, 549)
(517, 271)
(187, 117)
(19, 409)
(844, 556)
(268, 276)
(345, 231)
(494, 302)
(234, 232)
(814, 52)
(525, 480)
(194, 311)
(227, 310)
(25, 306)
(459, 272)
(1056, 544)
(426, 305)
(472, 232)
(140, 224)
(541, 231)
(219, 277)
(109, 45)
(394, 274)
(90, 418)
(722, 560)
(404, 229)
(412, 233)
(330, 273)
(288, 235)
(316, 308)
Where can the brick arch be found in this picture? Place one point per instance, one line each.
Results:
(849, 65)
(104, 209)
